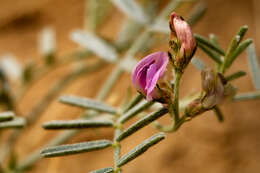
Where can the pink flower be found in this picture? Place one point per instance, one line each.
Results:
(183, 42)
(147, 73)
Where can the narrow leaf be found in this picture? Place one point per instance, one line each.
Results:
(242, 46)
(235, 75)
(77, 124)
(87, 103)
(6, 116)
(132, 9)
(213, 55)
(134, 102)
(140, 149)
(232, 48)
(213, 39)
(198, 63)
(247, 96)
(95, 44)
(197, 12)
(142, 123)
(69, 149)
(254, 65)
(219, 114)
(104, 170)
(206, 42)
(15, 123)
(134, 111)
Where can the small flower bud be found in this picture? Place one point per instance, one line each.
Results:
(182, 41)
(213, 88)
(148, 72)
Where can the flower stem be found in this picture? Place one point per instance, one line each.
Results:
(175, 105)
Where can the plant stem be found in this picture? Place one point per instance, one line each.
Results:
(176, 95)
(117, 148)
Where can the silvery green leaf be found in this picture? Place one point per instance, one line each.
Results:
(95, 44)
(77, 124)
(140, 149)
(160, 25)
(199, 64)
(134, 111)
(132, 9)
(11, 66)
(87, 103)
(15, 123)
(47, 41)
(6, 116)
(254, 65)
(128, 64)
(104, 170)
(69, 149)
(247, 96)
(142, 123)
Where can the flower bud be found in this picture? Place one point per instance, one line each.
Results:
(148, 72)
(213, 88)
(182, 41)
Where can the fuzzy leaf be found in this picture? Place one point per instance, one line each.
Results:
(6, 116)
(15, 123)
(142, 123)
(87, 104)
(132, 9)
(95, 44)
(247, 96)
(104, 170)
(69, 149)
(198, 63)
(134, 111)
(204, 41)
(235, 75)
(77, 124)
(140, 149)
(254, 65)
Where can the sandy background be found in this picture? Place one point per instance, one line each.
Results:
(201, 146)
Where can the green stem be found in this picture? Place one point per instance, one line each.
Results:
(175, 105)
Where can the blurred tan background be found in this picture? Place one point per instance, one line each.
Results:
(201, 146)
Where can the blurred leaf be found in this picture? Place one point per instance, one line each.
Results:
(142, 123)
(69, 149)
(133, 102)
(132, 9)
(197, 12)
(235, 75)
(204, 41)
(6, 116)
(247, 96)
(241, 47)
(218, 113)
(128, 64)
(11, 67)
(104, 170)
(161, 25)
(95, 44)
(198, 63)
(140, 149)
(47, 41)
(13, 161)
(87, 104)
(72, 124)
(213, 39)
(15, 123)
(134, 111)
(254, 65)
(232, 48)
(213, 55)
